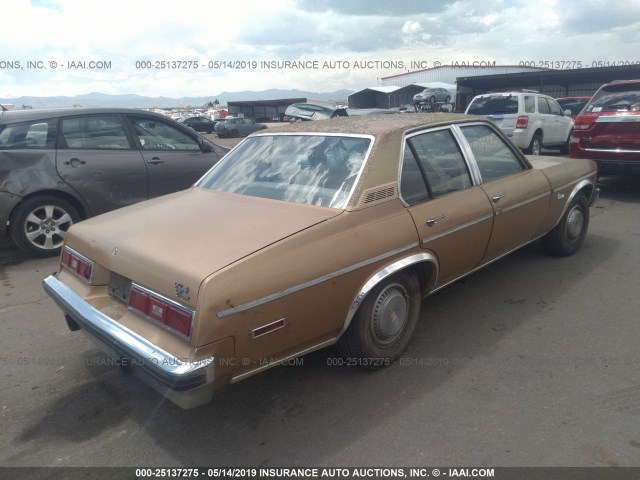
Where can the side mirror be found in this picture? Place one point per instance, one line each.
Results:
(567, 113)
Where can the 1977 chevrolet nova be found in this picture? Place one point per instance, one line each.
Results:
(320, 233)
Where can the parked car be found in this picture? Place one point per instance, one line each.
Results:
(573, 104)
(432, 95)
(60, 166)
(320, 233)
(608, 128)
(199, 124)
(237, 127)
(309, 111)
(531, 120)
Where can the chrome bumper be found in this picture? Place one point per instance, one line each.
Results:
(188, 384)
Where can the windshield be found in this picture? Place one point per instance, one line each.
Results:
(493, 105)
(311, 169)
(615, 98)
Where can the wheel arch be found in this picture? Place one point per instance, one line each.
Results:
(423, 264)
(77, 204)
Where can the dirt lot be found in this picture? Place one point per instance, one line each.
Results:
(532, 361)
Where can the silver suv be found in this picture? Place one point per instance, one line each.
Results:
(531, 120)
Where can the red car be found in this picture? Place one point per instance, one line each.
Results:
(573, 104)
(608, 128)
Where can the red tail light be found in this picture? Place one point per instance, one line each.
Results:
(523, 121)
(160, 309)
(584, 121)
(77, 263)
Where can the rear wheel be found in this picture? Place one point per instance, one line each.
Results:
(383, 325)
(567, 237)
(535, 147)
(39, 225)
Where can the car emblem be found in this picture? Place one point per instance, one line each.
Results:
(115, 251)
(182, 291)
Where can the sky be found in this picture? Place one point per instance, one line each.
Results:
(208, 47)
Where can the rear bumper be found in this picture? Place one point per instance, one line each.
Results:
(186, 383)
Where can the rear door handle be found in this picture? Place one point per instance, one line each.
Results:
(497, 198)
(432, 221)
(74, 162)
(155, 161)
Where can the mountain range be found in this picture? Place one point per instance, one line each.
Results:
(138, 101)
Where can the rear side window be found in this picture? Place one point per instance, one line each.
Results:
(439, 163)
(28, 135)
(529, 104)
(494, 158)
(616, 98)
(95, 132)
(493, 105)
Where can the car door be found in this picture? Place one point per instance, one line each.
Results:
(173, 156)
(519, 195)
(453, 217)
(98, 159)
(563, 124)
(550, 123)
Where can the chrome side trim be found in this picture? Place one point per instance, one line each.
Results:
(456, 229)
(524, 202)
(172, 372)
(310, 283)
(568, 184)
(384, 273)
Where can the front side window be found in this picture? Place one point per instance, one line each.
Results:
(494, 158)
(543, 106)
(310, 169)
(100, 132)
(554, 107)
(156, 134)
(28, 135)
(440, 161)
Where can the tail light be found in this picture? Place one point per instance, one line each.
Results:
(161, 309)
(585, 121)
(76, 263)
(522, 122)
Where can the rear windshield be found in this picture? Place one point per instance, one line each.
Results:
(493, 105)
(312, 169)
(616, 98)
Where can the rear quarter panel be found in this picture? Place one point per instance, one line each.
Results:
(327, 256)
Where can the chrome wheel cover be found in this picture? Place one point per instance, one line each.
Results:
(575, 223)
(389, 315)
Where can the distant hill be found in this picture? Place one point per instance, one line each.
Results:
(137, 101)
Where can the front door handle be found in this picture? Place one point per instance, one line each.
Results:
(155, 161)
(432, 221)
(497, 198)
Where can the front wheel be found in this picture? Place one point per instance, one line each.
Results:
(567, 237)
(383, 325)
(39, 225)
(564, 149)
